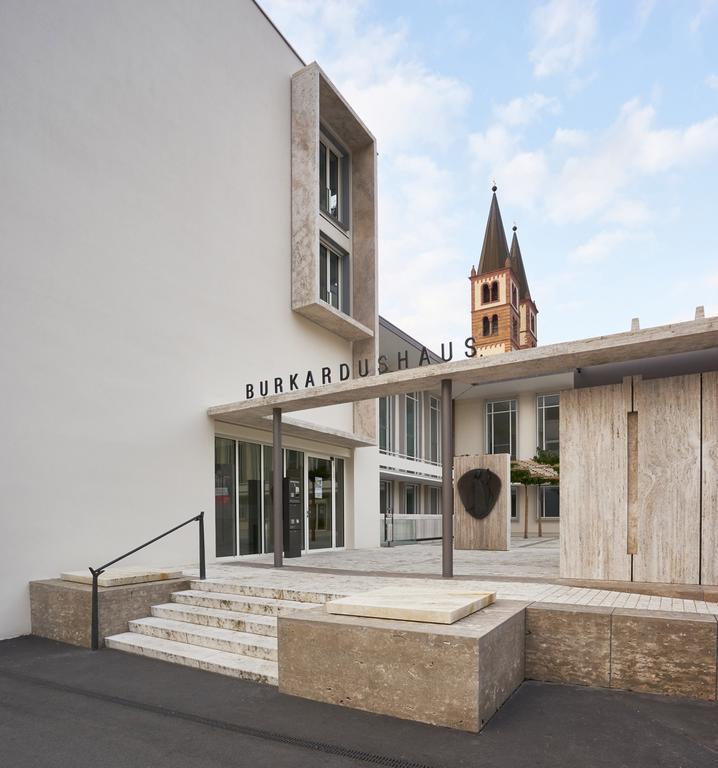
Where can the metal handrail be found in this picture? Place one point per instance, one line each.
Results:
(97, 572)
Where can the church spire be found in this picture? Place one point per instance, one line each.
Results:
(495, 249)
(517, 264)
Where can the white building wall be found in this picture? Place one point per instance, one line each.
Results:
(144, 276)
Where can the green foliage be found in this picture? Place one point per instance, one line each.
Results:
(524, 476)
(547, 457)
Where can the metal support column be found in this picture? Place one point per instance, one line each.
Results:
(447, 481)
(278, 486)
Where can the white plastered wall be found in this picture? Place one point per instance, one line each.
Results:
(145, 211)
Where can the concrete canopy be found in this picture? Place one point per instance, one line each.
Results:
(564, 357)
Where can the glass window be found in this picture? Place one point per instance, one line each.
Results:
(333, 285)
(549, 501)
(333, 178)
(225, 473)
(339, 502)
(411, 502)
(547, 418)
(385, 425)
(434, 430)
(412, 427)
(385, 497)
(501, 427)
(514, 504)
(434, 501)
(250, 498)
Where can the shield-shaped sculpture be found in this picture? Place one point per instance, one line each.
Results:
(478, 490)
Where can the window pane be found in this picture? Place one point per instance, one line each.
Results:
(410, 497)
(268, 495)
(383, 424)
(333, 206)
(502, 433)
(323, 292)
(411, 426)
(551, 442)
(225, 521)
(334, 279)
(550, 500)
(339, 501)
(249, 498)
(323, 201)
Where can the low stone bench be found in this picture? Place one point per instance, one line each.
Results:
(664, 652)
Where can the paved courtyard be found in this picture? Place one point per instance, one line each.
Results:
(529, 571)
(68, 707)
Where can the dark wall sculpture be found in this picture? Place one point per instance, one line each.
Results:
(479, 490)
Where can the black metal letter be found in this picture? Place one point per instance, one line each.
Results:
(470, 345)
(264, 388)
(402, 359)
(451, 352)
(366, 368)
(278, 384)
(383, 364)
(326, 375)
(344, 372)
(250, 391)
(310, 380)
(424, 357)
(293, 382)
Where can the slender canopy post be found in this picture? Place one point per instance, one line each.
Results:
(278, 485)
(447, 481)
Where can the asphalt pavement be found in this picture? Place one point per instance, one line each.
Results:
(65, 706)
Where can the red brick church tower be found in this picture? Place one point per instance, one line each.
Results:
(503, 314)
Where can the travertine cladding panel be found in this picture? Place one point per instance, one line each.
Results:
(593, 427)
(456, 676)
(668, 503)
(662, 652)
(709, 507)
(494, 531)
(568, 644)
(60, 610)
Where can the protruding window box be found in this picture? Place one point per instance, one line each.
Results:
(333, 210)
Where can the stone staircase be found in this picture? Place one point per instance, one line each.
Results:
(218, 625)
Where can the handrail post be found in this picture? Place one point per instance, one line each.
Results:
(202, 564)
(95, 640)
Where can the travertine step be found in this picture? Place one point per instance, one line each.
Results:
(233, 587)
(242, 643)
(242, 603)
(255, 623)
(208, 659)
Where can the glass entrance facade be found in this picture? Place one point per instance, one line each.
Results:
(244, 497)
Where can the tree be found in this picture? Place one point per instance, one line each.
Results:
(543, 469)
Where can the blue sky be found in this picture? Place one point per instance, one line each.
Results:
(598, 120)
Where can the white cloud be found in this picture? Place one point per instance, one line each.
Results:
(564, 31)
(525, 109)
(628, 213)
(568, 137)
(602, 246)
(705, 8)
(712, 82)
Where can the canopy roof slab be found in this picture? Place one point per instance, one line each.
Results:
(666, 340)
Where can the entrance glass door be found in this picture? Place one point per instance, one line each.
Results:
(320, 508)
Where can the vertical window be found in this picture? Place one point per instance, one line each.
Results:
(514, 296)
(250, 498)
(434, 501)
(495, 325)
(486, 327)
(339, 502)
(412, 426)
(533, 322)
(514, 503)
(485, 293)
(225, 474)
(434, 430)
(333, 181)
(385, 424)
(385, 494)
(333, 278)
(547, 418)
(549, 501)
(501, 427)
(495, 291)
(411, 500)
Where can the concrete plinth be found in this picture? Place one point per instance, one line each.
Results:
(61, 610)
(454, 675)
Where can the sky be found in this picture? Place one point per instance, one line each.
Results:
(597, 120)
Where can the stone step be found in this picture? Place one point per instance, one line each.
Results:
(254, 623)
(242, 603)
(207, 659)
(235, 587)
(242, 643)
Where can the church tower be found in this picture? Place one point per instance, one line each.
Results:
(503, 314)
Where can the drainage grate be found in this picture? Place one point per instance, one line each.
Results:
(259, 733)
